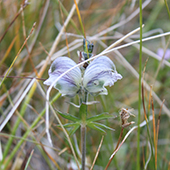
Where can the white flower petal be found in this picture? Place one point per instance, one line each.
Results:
(69, 84)
(100, 73)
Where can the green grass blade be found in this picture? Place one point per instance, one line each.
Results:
(140, 89)
(167, 7)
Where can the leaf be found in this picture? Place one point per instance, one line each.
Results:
(100, 117)
(93, 126)
(74, 129)
(68, 125)
(69, 116)
(102, 126)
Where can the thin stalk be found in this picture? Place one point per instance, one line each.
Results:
(83, 145)
(80, 20)
(140, 87)
(83, 133)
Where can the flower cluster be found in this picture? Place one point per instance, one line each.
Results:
(100, 73)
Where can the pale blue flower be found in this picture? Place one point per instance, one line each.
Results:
(100, 73)
(70, 83)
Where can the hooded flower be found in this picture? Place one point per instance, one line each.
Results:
(69, 84)
(100, 73)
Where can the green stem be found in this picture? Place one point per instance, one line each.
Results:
(83, 146)
(140, 88)
(83, 113)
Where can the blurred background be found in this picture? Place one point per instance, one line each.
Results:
(105, 22)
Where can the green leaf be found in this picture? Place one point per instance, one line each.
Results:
(69, 117)
(100, 117)
(74, 129)
(67, 125)
(102, 126)
(93, 126)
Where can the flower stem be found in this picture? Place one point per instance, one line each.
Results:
(83, 146)
(83, 113)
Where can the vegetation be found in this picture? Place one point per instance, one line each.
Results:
(33, 34)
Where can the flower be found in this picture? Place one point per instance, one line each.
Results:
(160, 53)
(100, 73)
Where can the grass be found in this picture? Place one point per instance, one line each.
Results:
(27, 51)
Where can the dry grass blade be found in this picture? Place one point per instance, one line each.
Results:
(153, 120)
(80, 20)
(157, 132)
(97, 153)
(51, 158)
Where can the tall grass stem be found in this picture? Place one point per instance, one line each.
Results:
(140, 87)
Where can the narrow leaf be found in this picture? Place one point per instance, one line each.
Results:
(102, 126)
(29, 159)
(67, 125)
(92, 126)
(100, 117)
(74, 129)
(69, 116)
